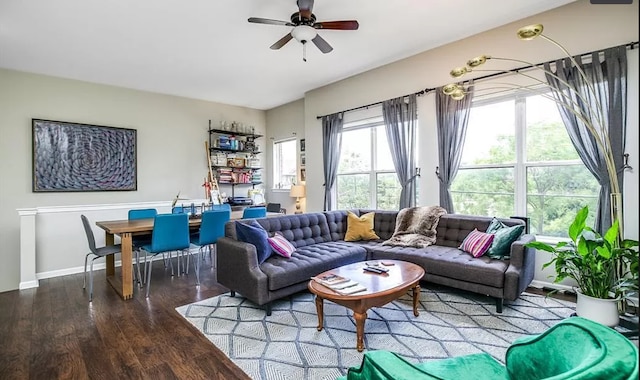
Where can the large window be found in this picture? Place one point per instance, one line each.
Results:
(518, 160)
(284, 164)
(366, 176)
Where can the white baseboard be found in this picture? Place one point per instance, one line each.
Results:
(550, 285)
(28, 284)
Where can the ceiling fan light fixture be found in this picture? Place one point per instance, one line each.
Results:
(303, 33)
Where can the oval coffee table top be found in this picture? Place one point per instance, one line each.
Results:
(401, 274)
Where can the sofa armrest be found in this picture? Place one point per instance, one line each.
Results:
(521, 268)
(238, 270)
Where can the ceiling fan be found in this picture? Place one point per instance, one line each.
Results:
(304, 27)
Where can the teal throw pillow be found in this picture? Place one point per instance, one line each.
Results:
(252, 232)
(504, 237)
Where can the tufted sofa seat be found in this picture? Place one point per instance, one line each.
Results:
(320, 246)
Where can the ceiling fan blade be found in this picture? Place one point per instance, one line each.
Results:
(306, 8)
(281, 42)
(322, 44)
(259, 20)
(338, 25)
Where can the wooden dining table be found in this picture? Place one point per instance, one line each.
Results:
(126, 229)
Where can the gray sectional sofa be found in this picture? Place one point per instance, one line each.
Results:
(320, 246)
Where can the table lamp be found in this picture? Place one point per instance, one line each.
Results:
(297, 191)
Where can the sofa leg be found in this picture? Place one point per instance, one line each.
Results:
(499, 302)
(233, 293)
(267, 308)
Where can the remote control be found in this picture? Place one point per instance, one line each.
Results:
(374, 270)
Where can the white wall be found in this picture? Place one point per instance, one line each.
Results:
(171, 154)
(284, 122)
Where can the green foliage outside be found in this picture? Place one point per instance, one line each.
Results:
(554, 193)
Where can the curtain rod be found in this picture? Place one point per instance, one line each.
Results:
(629, 46)
(372, 104)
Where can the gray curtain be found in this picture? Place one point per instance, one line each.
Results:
(609, 79)
(452, 121)
(331, 146)
(400, 121)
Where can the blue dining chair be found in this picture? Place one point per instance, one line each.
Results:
(211, 228)
(97, 252)
(170, 233)
(224, 206)
(178, 210)
(139, 241)
(254, 212)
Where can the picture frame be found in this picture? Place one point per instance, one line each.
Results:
(302, 145)
(75, 157)
(302, 159)
(303, 174)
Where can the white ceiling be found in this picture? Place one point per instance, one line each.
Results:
(206, 49)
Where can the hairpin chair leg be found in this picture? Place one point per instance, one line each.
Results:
(149, 279)
(84, 281)
(91, 278)
(196, 266)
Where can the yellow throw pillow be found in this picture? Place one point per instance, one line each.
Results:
(360, 228)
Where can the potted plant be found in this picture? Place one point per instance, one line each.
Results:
(594, 262)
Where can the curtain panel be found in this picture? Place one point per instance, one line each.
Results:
(400, 120)
(452, 121)
(608, 78)
(331, 147)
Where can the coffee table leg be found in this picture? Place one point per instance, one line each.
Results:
(416, 298)
(360, 318)
(320, 311)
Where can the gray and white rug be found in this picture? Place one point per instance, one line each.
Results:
(287, 345)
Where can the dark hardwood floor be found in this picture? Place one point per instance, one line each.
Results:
(53, 332)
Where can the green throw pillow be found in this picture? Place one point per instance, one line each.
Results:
(504, 237)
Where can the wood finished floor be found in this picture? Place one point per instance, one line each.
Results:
(53, 332)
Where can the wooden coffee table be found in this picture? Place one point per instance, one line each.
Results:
(381, 289)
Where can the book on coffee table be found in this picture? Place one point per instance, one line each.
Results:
(351, 289)
(330, 280)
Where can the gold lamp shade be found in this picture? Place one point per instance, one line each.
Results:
(530, 32)
(477, 61)
(459, 71)
(449, 89)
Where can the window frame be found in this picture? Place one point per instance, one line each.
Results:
(275, 160)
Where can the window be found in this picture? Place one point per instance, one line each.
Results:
(284, 164)
(366, 175)
(518, 160)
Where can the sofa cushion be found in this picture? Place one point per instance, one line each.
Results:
(504, 237)
(251, 232)
(360, 227)
(301, 229)
(337, 221)
(477, 243)
(384, 222)
(281, 245)
(447, 262)
(310, 260)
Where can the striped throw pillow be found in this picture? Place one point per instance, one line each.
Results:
(477, 243)
(281, 245)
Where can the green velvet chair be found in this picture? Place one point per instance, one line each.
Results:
(575, 348)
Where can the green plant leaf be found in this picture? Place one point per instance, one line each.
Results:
(612, 233)
(583, 248)
(578, 223)
(540, 246)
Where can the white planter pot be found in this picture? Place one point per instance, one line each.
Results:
(603, 311)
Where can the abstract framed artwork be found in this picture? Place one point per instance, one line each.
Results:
(72, 157)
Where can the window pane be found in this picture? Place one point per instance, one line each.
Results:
(555, 194)
(484, 192)
(383, 153)
(356, 151)
(545, 125)
(353, 191)
(490, 135)
(387, 191)
(284, 164)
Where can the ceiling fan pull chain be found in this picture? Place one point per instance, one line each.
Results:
(304, 51)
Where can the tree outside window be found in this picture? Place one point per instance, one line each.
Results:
(284, 164)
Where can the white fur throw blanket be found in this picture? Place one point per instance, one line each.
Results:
(416, 226)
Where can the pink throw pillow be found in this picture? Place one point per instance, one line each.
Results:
(477, 243)
(281, 245)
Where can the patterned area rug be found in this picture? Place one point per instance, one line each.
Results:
(287, 345)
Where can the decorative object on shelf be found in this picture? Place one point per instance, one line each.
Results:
(70, 157)
(235, 162)
(591, 260)
(591, 100)
(297, 192)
